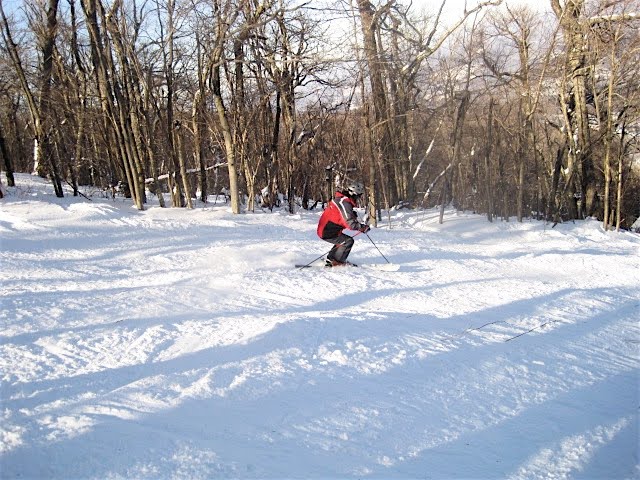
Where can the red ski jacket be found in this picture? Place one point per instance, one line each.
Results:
(338, 215)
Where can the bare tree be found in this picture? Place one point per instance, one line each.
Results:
(516, 27)
(615, 46)
(104, 37)
(380, 138)
(390, 87)
(574, 103)
(40, 107)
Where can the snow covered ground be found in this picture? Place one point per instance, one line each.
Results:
(183, 344)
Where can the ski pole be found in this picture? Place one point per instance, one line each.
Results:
(377, 248)
(314, 260)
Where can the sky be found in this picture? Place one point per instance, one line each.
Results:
(454, 8)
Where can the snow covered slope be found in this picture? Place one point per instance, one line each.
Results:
(183, 344)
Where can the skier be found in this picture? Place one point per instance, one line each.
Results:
(339, 215)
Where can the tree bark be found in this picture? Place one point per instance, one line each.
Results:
(6, 157)
(487, 163)
(229, 144)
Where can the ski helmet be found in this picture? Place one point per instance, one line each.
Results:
(355, 188)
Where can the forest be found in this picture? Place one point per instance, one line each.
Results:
(505, 111)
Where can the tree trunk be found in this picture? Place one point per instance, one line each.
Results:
(608, 140)
(229, 145)
(487, 163)
(197, 120)
(183, 165)
(150, 134)
(575, 101)
(6, 157)
(619, 182)
(554, 201)
(456, 140)
(178, 195)
(272, 170)
(378, 129)
(47, 123)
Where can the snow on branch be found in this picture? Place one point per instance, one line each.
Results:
(191, 170)
(433, 184)
(428, 151)
(618, 17)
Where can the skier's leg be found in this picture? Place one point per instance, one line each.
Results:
(341, 249)
(332, 253)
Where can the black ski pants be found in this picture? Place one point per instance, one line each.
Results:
(341, 247)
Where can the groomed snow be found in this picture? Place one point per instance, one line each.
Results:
(175, 343)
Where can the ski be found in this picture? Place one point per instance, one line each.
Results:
(321, 265)
(387, 267)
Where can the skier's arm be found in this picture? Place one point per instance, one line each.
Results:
(349, 216)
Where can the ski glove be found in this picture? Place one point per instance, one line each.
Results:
(364, 228)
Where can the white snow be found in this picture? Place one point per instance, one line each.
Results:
(175, 343)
